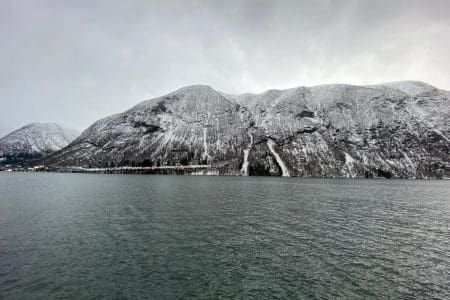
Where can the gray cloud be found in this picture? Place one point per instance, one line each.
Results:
(72, 62)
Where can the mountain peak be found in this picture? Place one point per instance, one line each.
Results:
(196, 88)
(35, 124)
(42, 125)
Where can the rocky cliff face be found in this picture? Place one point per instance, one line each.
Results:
(34, 141)
(399, 129)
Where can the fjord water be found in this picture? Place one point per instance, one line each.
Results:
(174, 237)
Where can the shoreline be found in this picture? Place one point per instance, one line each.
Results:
(192, 170)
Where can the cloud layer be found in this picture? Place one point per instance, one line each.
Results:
(72, 62)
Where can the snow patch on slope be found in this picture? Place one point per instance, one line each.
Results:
(244, 169)
(349, 164)
(284, 169)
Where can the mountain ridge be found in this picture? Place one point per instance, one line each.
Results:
(398, 129)
(33, 141)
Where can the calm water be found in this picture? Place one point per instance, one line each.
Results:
(177, 237)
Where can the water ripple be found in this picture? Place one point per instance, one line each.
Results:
(168, 237)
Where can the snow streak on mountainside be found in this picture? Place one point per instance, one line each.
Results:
(33, 141)
(398, 129)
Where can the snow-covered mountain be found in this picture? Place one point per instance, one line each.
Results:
(399, 129)
(34, 141)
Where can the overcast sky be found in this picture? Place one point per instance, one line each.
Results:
(73, 62)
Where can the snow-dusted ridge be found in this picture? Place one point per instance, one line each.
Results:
(398, 129)
(34, 140)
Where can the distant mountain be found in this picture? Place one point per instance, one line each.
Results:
(399, 129)
(34, 141)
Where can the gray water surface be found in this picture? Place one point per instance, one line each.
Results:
(89, 236)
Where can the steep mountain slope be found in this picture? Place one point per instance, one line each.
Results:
(399, 129)
(34, 141)
(344, 130)
(191, 126)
